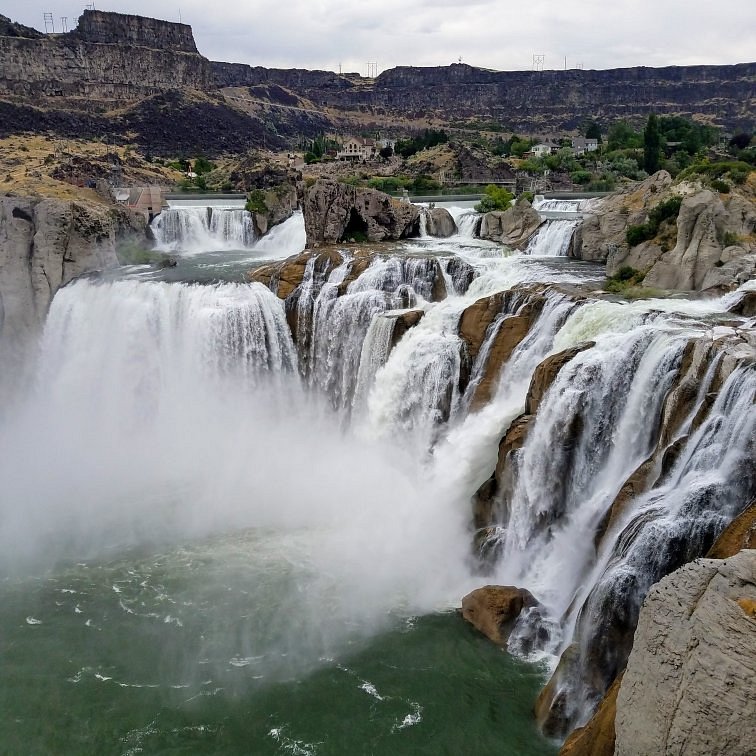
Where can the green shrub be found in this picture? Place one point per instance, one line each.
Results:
(729, 239)
(625, 278)
(580, 177)
(495, 198)
(720, 186)
(637, 234)
(665, 210)
(256, 202)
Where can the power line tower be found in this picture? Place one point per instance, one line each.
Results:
(538, 61)
(49, 23)
(372, 70)
(64, 23)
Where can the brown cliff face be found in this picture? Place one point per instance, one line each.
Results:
(525, 100)
(108, 56)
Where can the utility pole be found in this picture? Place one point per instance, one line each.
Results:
(538, 61)
(49, 23)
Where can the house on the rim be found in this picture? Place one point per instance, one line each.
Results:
(358, 149)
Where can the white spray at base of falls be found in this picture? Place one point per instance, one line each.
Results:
(167, 411)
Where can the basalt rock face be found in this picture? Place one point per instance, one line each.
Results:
(688, 687)
(335, 212)
(109, 56)
(520, 99)
(44, 244)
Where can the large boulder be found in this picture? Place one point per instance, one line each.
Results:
(688, 687)
(335, 212)
(272, 206)
(513, 227)
(494, 609)
(440, 222)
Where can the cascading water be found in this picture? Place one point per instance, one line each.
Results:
(552, 238)
(298, 493)
(199, 229)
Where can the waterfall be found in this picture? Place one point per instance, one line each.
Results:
(559, 205)
(552, 238)
(202, 229)
(284, 240)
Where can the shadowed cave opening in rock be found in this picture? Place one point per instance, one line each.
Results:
(356, 229)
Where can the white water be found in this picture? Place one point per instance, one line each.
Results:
(166, 411)
(284, 240)
(552, 238)
(198, 229)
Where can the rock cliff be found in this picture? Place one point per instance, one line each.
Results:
(335, 212)
(523, 100)
(109, 56)
(709, 245)
(44, 244)
(688, 687)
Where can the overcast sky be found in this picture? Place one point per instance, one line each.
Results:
(324, 34)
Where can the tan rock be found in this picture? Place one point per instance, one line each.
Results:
(598, 736)
(513, 226)
(494, 609)
(688, 687)
(739, 534)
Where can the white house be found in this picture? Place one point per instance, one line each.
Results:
(540, 150)
(581, 145)
(357, 149)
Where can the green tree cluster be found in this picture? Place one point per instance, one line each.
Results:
(495, 198)
(429, 138)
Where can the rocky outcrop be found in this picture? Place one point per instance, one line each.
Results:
(692, 253)
(272, 206)
(601, 235)
(739, 534)
(44, 244)
(513, 226)
(688, 687)
(702, 223)
(335, 212)
(494, 609)
(440, 223)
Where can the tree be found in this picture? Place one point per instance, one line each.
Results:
(593, 131)
(386, 152)
(740, 141)
(652, 145)
(622, 135)
(495, 198)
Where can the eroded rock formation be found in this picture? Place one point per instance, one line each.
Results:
(688, 687)
(335, 212)
(493, 609)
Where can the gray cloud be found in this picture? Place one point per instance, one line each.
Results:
(489, 33)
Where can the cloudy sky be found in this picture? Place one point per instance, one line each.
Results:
(325, 34)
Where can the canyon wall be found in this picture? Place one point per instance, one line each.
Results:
(523, 100)
(108, 56)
